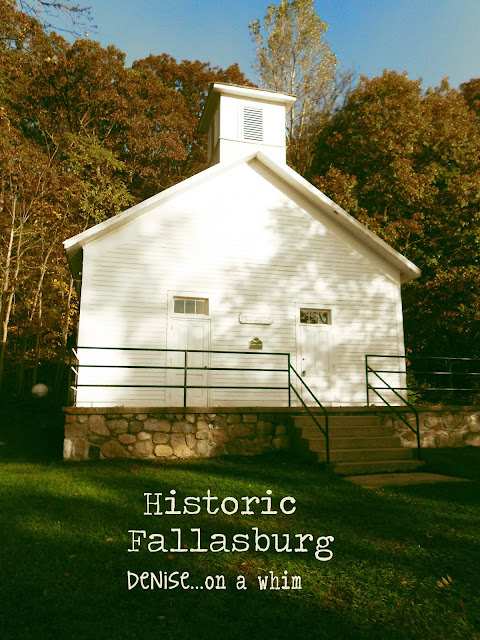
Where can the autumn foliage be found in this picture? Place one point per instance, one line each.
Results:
(406, 163)
(82, 137)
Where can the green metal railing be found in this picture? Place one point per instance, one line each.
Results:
(319, 404)
(392, 407)
(422, 379)
(185, 367)
(432, 379)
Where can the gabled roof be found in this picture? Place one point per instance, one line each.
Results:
(408, 271)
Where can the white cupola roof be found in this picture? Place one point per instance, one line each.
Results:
(240, 119)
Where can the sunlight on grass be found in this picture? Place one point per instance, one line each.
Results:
(64, 553)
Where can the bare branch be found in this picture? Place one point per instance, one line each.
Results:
(60, 15)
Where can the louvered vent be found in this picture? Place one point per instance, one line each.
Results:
(253, 124)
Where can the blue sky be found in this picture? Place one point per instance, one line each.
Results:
(427, 38)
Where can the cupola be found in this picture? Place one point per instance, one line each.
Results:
(238, 120)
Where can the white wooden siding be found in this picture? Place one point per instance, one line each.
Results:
(256, 247)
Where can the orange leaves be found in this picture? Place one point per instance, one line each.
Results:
(444, 582)
(406, 165)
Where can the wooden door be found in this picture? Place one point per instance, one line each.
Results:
(188, 334)
(315, 362)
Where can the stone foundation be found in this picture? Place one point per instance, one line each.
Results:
(441, 427)
(159, 433)
(156, 434)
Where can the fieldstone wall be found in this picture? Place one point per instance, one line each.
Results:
(441, 427)
(151, 433)
(148, 434)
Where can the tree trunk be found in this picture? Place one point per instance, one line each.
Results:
(3, 343)
(21, 366)
(7, 294)
(63, 344)
(37, 342)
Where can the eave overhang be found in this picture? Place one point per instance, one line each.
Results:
(408, 271)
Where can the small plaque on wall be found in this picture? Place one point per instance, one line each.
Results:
(255, 318)
(256, 343)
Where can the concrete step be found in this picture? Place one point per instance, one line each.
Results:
(347, 432)
(366, 455)
(359, 444)
(372, 443)
(338, 421)
(377, 466)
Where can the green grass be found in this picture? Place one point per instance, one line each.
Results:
(64, 541)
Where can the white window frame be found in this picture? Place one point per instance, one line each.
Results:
(327, 310)
(195, 295)
(185, 299)
(315, 306)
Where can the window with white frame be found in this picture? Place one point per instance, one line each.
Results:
(192, 306)
(315, 316)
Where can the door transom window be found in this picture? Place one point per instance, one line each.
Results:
(315, 316)
(193, 306)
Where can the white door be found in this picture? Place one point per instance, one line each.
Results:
(315, 362)
(188, 334)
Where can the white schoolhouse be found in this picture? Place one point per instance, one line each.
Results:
(244, 257)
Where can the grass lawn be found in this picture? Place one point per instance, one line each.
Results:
(406, 561)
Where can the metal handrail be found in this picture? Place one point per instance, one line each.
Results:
(184, 367)
(156, 350)
(457, 381)
(320, 405)
(392, 408)
(185, 386)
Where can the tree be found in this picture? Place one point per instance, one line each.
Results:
(82, 137)
(146, 115)
(34, 204)
(293, 57)
(191, 81)
(83, 89)
(51, 14)
(471, 92)
(54, 184)
(406, 164)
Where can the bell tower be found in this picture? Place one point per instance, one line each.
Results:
(238, 120)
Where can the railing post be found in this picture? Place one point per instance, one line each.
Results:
(450, 378)
(405, 374)
(327, 440)
(185, 381)
(392, 408)
(320, 405)
(289, 382)
(69, 378)
(366, 378)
